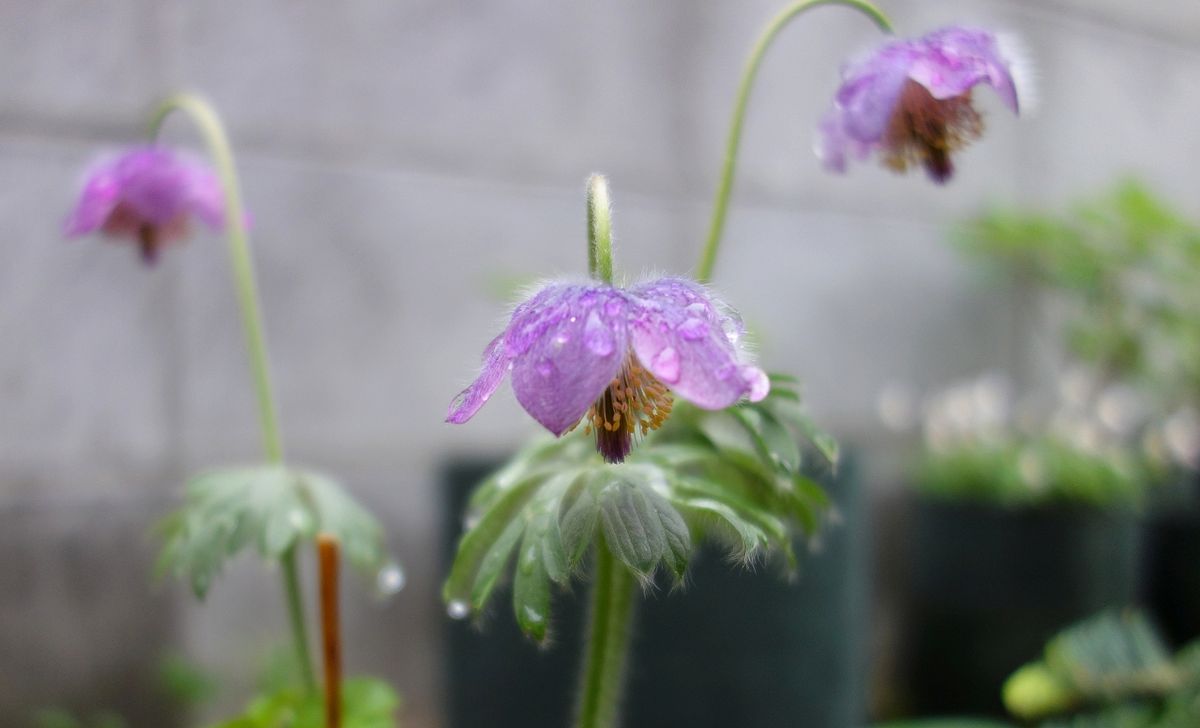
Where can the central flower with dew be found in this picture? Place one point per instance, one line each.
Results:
(613, 358)
(147, 195)
(911, 99)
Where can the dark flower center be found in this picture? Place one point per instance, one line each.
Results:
(924, 130)
(634, 403)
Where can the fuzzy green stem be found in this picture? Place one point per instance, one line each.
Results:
(209, 124)
(608, 642)
(721, 201)
(599, 223)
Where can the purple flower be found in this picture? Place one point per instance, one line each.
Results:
(911, 100)
(147, 195)
(616, 356)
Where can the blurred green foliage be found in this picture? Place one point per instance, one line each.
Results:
(1129, 267)
(1110, 671)
(367, 702)
(1031, 472)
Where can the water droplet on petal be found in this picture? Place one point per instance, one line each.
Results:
(389, 580)
(666, 365)
(458, 609)
(698, 309)
(545, 367)
(597, 336)
(561, 338)
(692, 329)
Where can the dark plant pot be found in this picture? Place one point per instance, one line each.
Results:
(83, 629)
(1171, 564)
(990, 586)
(737, 647)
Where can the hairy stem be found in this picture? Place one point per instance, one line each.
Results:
(708, 257)
(599, 222)
(209, 124)
(608, 642)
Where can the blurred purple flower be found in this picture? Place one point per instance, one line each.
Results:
(615, 356)
(147, 195)
(911, 100)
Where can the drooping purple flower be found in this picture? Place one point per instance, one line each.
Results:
(911, 100)
(616, 356)
(147, 195)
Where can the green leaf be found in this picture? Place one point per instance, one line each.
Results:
(272, 507)
(675, 531)
(632, 527)
(494, 563)
(366, 703)
(750, 537)
(531, 585)
(479, 540)
(577, 526)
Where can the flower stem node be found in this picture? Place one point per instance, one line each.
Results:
(617, 356)
(910, 100)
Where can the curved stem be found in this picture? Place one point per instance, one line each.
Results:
(210, 127)
(608, 642)
(599, 222)
(721, 202)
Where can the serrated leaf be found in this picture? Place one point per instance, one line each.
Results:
(271, 507)
(675, 529)
(774, 527)
(577, 526)
(531, 586)
(478, 541)
(554, 555)
(750, 536)
(632, 528)
(494, 563)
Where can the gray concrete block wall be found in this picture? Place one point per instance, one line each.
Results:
(407, 162)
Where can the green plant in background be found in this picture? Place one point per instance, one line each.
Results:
(149, 196)
(1127, 266)
(1112, 670)
(984, 446)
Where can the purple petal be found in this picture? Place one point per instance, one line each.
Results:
(153, 185)
(953, 60)
(870, 89)
(495, 365)
(568, 343)
(690, 341)
(99, 196)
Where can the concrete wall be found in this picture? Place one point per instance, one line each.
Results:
(406, 160)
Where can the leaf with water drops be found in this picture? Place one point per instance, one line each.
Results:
(270, 507)
(733, 474)
(531, 585)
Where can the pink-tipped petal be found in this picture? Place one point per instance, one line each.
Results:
(495, 365)
(686, 339)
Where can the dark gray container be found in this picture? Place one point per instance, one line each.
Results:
(735, 648)
(990, 586)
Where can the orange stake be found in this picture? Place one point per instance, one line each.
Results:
(327, 556)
